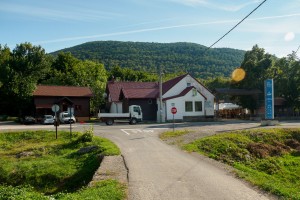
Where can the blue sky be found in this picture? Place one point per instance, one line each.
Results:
(59, 24)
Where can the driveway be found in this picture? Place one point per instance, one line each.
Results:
(161, 172)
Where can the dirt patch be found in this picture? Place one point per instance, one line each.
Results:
(262, 150)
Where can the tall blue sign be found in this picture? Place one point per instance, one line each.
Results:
(269, 99)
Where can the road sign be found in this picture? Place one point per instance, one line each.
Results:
(269, 99)
(70, 110)
(174, 110)
(55, 108)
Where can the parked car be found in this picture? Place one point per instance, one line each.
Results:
(64, 117)
(29, 120)
(48, 119)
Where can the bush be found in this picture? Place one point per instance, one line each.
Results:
(87, 136)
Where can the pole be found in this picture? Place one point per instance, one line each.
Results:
(160, 96)
(70, 127)
(55, 125)
(70, 113)
(173, 124)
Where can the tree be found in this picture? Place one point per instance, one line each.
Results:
(217, 82)
(21, 70)
(256, 64)
(68, 70)
(287, 78)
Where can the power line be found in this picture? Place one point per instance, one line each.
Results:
(237, 24)
(297, 49)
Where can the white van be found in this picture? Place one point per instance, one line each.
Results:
(65, 118)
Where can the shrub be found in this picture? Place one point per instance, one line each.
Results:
(87, 136)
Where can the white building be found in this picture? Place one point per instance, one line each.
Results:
(190, 97)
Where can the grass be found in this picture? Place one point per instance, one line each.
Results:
(172, 134)
(35, 163)
(103, 190)
(269, 158)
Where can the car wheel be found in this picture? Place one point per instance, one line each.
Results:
(133, 121)
(109, 122)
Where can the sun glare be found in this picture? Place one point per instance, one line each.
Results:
(238, 74)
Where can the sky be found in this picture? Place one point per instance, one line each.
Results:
(59, 24)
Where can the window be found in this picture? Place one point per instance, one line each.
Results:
(188, 84)
(198, 106)
(137, 109)
(188, 106)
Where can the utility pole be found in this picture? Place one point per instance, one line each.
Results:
(160, 97)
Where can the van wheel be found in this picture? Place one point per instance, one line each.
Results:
(133, 121)
(109, 122)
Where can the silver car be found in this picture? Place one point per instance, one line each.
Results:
(48, 119)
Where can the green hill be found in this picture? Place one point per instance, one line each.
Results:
(172, 57)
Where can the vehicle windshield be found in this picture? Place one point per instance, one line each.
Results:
(67, 115)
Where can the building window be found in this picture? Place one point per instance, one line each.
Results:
(188, 84)
(188, 106)
(198, 106)
(194, 92)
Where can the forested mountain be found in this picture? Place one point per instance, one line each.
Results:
(171, 57)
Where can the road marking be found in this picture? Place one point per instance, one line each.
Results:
(127, 131)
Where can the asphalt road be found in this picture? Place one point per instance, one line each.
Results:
(161, 172)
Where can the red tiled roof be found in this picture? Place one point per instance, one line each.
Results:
(114, 88)
(170, 83)
(62, 91)
(140, 93)
(183, 93)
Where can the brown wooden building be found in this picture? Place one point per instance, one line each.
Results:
(64, 96)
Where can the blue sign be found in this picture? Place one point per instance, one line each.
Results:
(269, 99)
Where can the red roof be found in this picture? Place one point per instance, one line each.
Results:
(114, 89)
(141, 90)
(170, 83)
(140, 93)
(62, 91)
(183, 93)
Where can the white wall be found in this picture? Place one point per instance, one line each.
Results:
(181, 85)
(179, 103)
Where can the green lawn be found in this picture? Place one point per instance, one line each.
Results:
(34, 163)
(172, 134)
(268, 158)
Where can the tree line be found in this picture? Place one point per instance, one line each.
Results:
(259, 66)
(151, 57)
(27, 66)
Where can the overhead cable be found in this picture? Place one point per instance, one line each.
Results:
(237, 24)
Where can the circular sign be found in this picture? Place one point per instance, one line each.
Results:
(55, 108)
(174, 110)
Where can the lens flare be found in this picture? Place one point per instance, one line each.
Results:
(238, 74)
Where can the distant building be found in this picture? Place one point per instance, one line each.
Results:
(191, 98)
(64, 96)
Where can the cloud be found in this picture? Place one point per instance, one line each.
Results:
(165, 28)
(56, 14)
(289, 36)
(227, 5)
